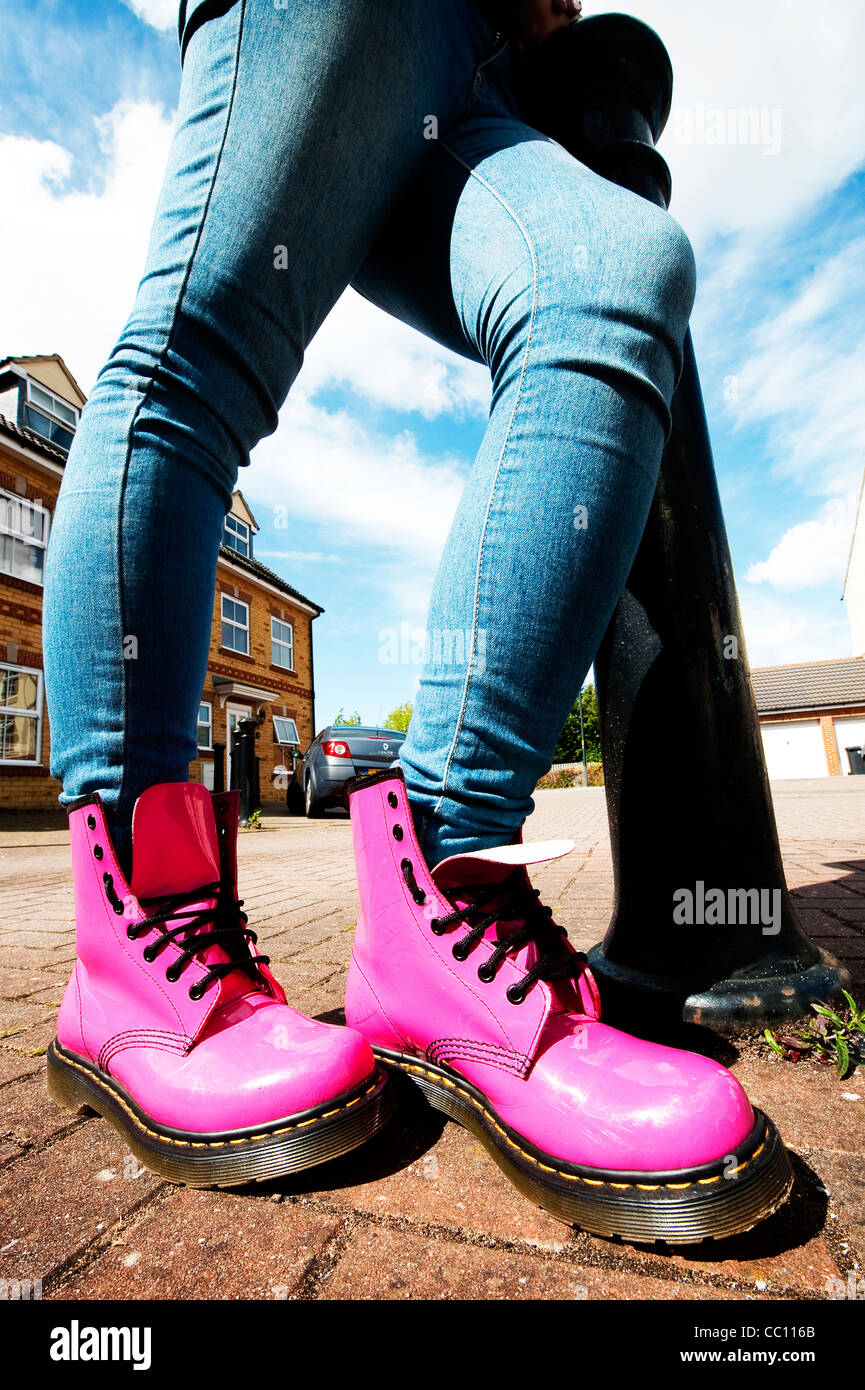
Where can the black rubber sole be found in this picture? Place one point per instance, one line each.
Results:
(680, 1207)
(289, 1145)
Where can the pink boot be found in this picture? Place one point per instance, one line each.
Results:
(175, 1030)
(460, 979)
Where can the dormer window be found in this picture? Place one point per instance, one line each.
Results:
(237, 535)
(48, 415)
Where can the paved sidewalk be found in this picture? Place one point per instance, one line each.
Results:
(421, 1212)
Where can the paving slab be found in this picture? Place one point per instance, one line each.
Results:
(203, 1245)
(389, 1265)
(61, 1201)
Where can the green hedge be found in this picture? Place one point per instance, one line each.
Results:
(565, 777)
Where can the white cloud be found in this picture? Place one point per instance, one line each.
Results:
(811, 553)
(777, 56)
(391, 364)
(299, 557)
(73, 258)
(162, 14)
(367, 487)
(778, 632)
(803, 379)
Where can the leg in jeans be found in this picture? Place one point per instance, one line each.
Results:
(576, 294)
(297, 126)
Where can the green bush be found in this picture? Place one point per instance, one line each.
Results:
(557, 779)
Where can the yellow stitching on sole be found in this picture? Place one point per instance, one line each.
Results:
(570, 1177)
(211, 1143)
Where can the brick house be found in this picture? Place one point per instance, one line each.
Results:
(810, 714)
(261, 658)
(260, 662)
(40, 403)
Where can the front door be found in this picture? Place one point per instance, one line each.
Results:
(232, 714)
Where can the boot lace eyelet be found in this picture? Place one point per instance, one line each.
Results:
(171, 975)
(436, 927)
(413, 886)
(486, 974)
(460, 952)
(131, 932)
(195, 992)
(91, 822)
(148, 955)
(515, 994)
(398, 832)
(98, 851)
(392, 800)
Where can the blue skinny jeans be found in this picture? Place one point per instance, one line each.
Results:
(306, 124)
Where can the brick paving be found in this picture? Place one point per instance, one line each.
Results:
(421, 1212)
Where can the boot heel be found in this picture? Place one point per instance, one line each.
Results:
(64, 1089)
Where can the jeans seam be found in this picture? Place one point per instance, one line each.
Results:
(146, 396)
(482, 546)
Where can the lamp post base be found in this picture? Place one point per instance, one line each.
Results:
(767, 992)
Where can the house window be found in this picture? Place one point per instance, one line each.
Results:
(49, 415)
(236, 535)
(205, 724)
(282, 644)
(20, 715)
(285, 731)
(235, 625)
(23, 537)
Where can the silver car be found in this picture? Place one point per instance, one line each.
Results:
(342, 751)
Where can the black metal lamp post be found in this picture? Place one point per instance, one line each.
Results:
(698, 846)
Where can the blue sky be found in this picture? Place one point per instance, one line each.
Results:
(775, 210)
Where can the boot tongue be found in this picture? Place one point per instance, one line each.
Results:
(174, 842)
(481, 866)
(175, 848)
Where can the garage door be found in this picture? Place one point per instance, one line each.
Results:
(850, 733)
(794, 749)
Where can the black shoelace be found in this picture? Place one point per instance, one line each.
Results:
(229, 930)
(522, 903)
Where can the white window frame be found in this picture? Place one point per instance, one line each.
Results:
(29, 714)
(283, 743)
(52, 409)
(233, 531)
(20, 504)
(279, 642)
(208, 705)
(233, 623)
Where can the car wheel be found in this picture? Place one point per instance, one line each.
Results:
(313, 805)
(294, 799)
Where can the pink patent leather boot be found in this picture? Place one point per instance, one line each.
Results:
(461, 981)
(175, 1030)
